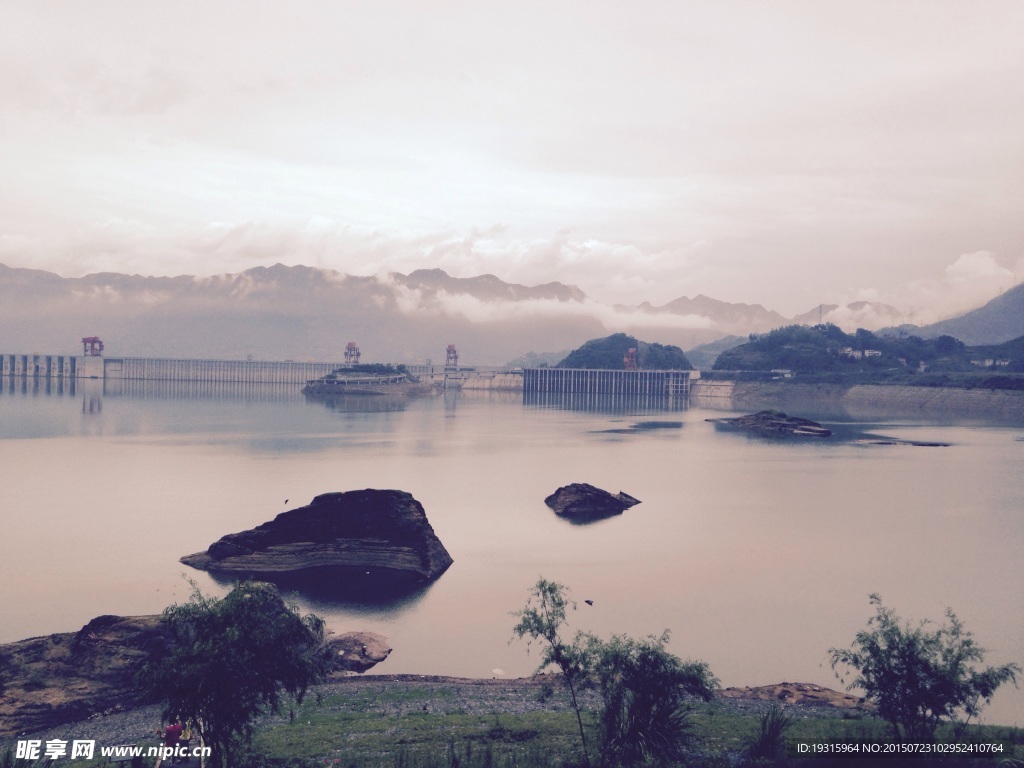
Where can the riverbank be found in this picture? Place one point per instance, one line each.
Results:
(404, 720)
(860, 400)
(396, 697)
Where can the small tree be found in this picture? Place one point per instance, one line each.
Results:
(643, 686)
(917, 677)
(644, 689)
(231, 659)
(542, 620)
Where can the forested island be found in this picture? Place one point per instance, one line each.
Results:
(609, 353)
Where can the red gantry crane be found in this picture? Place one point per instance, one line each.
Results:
(92, 346)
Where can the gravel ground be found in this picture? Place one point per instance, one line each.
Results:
(108, 729)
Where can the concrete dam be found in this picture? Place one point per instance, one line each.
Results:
(163, 369)
(539, 386)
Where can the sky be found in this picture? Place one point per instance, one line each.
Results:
(785, 153)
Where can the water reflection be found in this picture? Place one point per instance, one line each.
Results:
(592, 519)
(605, 403)
(36, 385)
(339, 588)
(155, 389)
(641, 426)
(360, 403)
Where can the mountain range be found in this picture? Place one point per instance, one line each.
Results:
(305, 313)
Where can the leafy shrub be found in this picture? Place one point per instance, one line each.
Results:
(917, 677)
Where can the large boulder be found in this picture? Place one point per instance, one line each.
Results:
(583, 502)
(46, 681)
(366, 536)
(63, 678)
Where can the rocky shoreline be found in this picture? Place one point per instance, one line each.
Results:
(61, 680)
(451, 695)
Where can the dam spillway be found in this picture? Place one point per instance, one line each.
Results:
(570, 381)
(589, 388)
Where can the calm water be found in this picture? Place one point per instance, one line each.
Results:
(758, 555)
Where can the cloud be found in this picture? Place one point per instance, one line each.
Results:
(863, 314)
(975, 268)
(610, 272)
(969, 282)
(413, 301)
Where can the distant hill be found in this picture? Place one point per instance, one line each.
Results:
(827, 349)
(304, 313)
(290, 312)
(1000, 320)
(610, 351)
(538, 360)
(703, 357)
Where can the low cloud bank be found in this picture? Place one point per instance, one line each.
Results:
(413, 301)
(610, 273)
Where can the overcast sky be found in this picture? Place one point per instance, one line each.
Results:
(784, 153)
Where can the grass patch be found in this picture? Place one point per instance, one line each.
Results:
(370, 739)
(364, 730)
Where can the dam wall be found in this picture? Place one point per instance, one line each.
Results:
(511, 381)
(112, 369)
(593, 381)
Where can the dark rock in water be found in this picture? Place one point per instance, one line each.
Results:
(371, 535)
(775, 424)
(357, 651)
(584, 502)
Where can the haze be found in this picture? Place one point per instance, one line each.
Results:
(784, 154)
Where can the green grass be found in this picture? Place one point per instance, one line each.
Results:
(336, 734)
(363, 728)
(370, 739)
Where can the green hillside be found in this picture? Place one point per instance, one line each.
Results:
(826, 348)
(608, 353)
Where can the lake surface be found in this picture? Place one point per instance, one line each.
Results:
(758, 555)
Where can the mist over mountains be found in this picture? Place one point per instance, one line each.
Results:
(305, 313)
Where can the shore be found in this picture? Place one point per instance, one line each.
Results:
(398, 695)
(861, 400)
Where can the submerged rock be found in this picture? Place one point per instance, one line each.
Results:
(583, 502)
(775, 424)
(380, 534)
